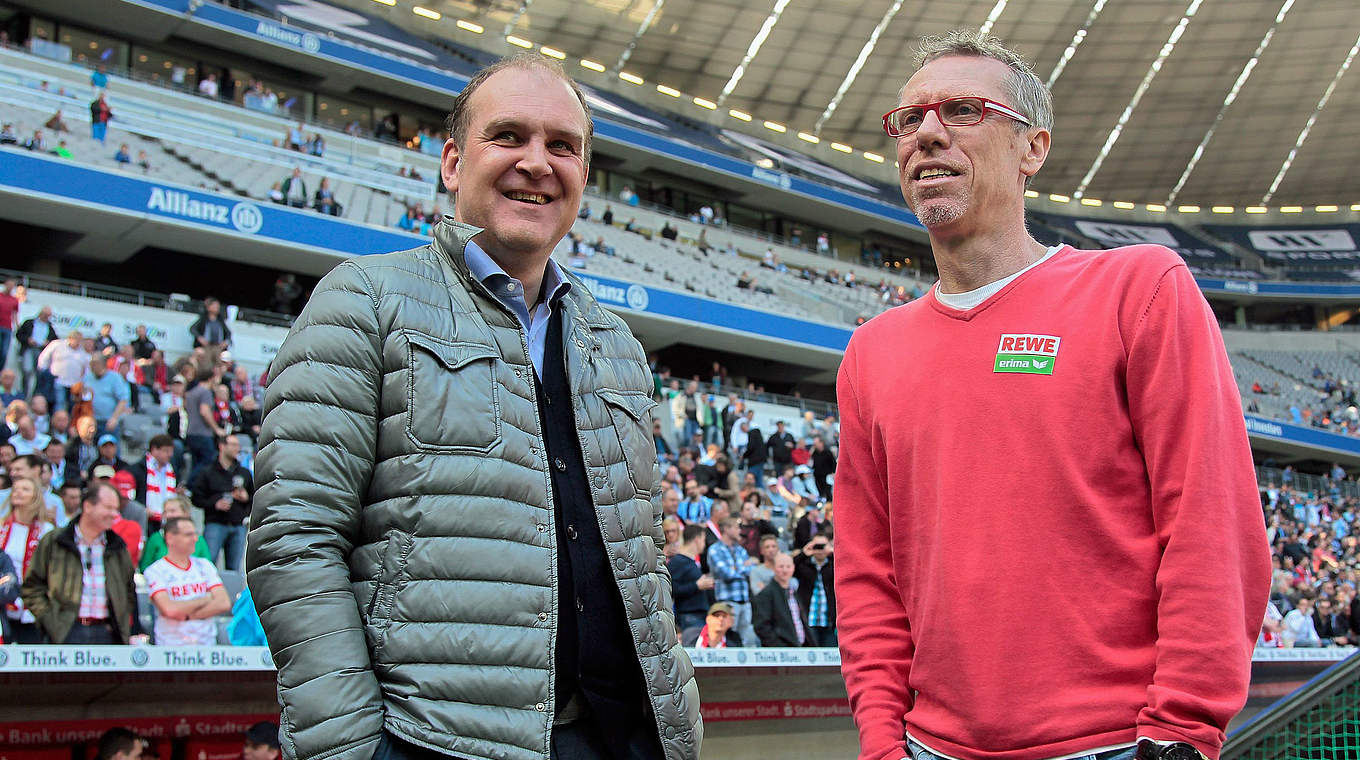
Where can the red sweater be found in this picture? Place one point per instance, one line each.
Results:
(1048, 527)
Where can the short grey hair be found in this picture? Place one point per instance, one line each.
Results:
(1027, 92)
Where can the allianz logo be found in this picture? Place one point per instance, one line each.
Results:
(1240, 287)
(245, 217)
(774, 178)
(309, 42)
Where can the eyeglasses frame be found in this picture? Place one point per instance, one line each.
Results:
(987, 105)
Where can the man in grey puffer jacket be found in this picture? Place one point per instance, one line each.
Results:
(455, 550)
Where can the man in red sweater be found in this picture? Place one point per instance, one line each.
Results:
(1054, 434)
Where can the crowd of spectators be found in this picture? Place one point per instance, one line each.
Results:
(293, 191)
(747, 519)
(1335, 409)
(73, 486)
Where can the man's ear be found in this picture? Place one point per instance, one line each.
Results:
(448, 165)
(1036, 152)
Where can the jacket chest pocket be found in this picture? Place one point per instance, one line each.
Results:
(632, 418)
(453, 401)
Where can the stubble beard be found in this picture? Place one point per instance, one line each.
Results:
(937, 211)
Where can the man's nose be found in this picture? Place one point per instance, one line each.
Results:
(534, 159)
(932, 132)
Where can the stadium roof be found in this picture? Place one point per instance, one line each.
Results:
(1211, 102)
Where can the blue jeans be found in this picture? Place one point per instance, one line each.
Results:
(97, 130)
(6, 337)
(917, 752)
(203, 449)
(232, 538)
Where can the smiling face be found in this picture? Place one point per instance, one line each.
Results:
(970, 177)
(522, 168)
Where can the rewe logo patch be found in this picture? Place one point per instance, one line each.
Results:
(1027, 354)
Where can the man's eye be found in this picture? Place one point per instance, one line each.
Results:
(506, 136)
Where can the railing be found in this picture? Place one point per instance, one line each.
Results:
(1320, 720)
(1302, 481)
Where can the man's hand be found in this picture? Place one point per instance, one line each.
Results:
(705, 582)
(111, 425)
(223, 504)
(240, 494)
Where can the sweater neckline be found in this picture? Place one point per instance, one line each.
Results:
(965, 316)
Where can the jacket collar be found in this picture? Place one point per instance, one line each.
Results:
(66, 537)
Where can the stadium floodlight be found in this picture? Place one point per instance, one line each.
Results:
(586, 63)
(805, 137)
(426, 12)
(1059, 197)
(1123, 204)
(1312, 118)
(1255, 209)
(1326, 208)
(552, 53)
(702, 103)
(1222, 209)
(734, 113)
(630, 78)
(876, 158)
(1077, 38)
(1156, 208)
(753, 48)
(1355, 207)
(1291, 209)
(671, 91)
(469, 26)
(776, 127)
(1092, 202)
(1188, 209)
(386, 2)
(1028, 193)
(855, 67)
(842, 147)
(519, 42)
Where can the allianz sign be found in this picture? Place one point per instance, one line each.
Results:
(245, 217)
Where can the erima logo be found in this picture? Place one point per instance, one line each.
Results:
(245, 217)
(1026, 354)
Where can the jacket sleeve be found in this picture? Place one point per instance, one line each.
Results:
(875, 634)
(34, 588)
(316, 457)
(1214, 576)
(762, 617)
(684, 582)
(9, 589)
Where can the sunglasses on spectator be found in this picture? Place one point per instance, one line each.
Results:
(952, 112)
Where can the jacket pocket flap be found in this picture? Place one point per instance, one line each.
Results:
(635, 405)
(452, 355)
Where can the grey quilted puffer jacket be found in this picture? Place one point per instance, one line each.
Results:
(402, 549)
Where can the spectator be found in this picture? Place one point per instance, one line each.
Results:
(37, 143)
(781, 620)
(155, 543)
(781, 445)
(100, 116)
(211, 331)
(716, 632)
(28, 440)
(81, 451)
(33, 336)
(1331, 623)
(731, 568)
(763, 573)
(608, 216)
(132, 523)
(324, 201)
(292, 137)
(250, 417)
(10, 578)
(99, 79)
(185, 589)
(317, 145)
(156, 479)
(690, 586)
(753, 526)
(695, 507)
(9, 312)
(56, 123)
(804, 485)
(811, 524)
(628, 196)
(103, 342)
(286, 292)
(295, 189)
(107, 457)
(61, 151)
(816, 571)
(7, 135)
(201, 426)
(224, 491)
(208, 86)
(823, 467)
(1299, 628)
(109, 395)
(275, 193)
(668, 232)
(143, 161)
(9, 388)
(124, 155)
(142, 345)
(86, 554)
(756, 450)
(24, 525)
(262, 742)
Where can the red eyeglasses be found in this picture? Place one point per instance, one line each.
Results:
(952, 112)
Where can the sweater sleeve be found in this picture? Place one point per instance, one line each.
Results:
(1214, 575)
(875, 634)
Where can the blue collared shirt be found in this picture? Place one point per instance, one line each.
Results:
(509, 291)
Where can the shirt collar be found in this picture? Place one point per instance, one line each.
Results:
(485, 269)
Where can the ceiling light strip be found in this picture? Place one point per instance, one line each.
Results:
(753, 49)
(1077, 39)
(1312, 118)
(1228, 101)
(864, 52)
(986, 27)
(641, 30)
(1143, 86)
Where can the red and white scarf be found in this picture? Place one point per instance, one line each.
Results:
(30, 546)
(160, 485)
